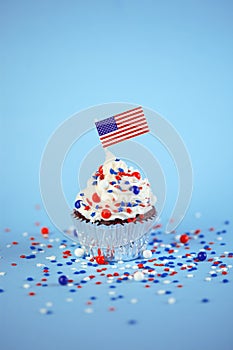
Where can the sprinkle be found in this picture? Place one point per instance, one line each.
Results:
(113, 172)
(44, 230)
(132, 322)
(79, 252)
(138, 276)
(147, 254)
(171, 300)
(88, 310)
(205, 300)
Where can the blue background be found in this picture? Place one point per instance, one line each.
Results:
(59, 57)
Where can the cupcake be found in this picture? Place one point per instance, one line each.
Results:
(114, 214)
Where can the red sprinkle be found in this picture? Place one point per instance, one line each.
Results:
(44, 230)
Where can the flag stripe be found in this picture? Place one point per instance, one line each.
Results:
(123, 129)
(128, 115)
(129, 111)
(125, 134)
(139, 118)
(125, 138)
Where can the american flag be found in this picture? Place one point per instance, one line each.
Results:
(122, 126)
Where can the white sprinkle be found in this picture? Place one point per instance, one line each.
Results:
(138, 276)
(166, 281)
(219, 238)
(189, 275)
(26, 286)
(69, 300)
(43, 311)
(2, 273)
(112, 292)
(198, 215)
(134, 267)
(128, 266)
(161, 291)
(52, 257)
(213, 268)
(62, 246)
(8, 245)
(109, 280)
(134, 301)
(229, 266)
(40, 265)
(88, 310)
(24, 234)
(208, 279)
(86, 278)
(49, 304)
(121, 268)
(171, 300)
(147, 254)
(79, 252)
(120, 262)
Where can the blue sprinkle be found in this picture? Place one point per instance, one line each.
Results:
(109, 191)
(82, 271)
(53, 261)
(112, 287)
(93, 298)
(113, 182)
(120, 209)
(44, 285)
(122, 204)
(46, 274)
(32, 248)
(59, 272)
(127, 182)
(205, 300)
(81, 194)
(156, 281)
(225, 280)
(93, 214)
(120, 296)
(72, 290)
(30, 279)
(132, 322)
(113, 172)
(121, 170)
(227, 222)
(63, 280)
(138, 201)
(97, 206)
(83, 281)
(59, 264)
(94, 183)
(168, 292)
(1, 290)
(77, 204)
(117, 159)
(135, 189)
(69, 263)
(95, 177)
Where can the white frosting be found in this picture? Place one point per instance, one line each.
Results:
(111, 188)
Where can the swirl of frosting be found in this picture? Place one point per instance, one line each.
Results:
(115, 191)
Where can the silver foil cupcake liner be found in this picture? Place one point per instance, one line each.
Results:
(116, 242)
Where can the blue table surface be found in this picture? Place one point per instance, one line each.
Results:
(61, 57)
(182, 302)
